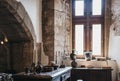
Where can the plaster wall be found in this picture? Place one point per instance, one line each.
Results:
(114, 41)
(34, 10)
(114, 49)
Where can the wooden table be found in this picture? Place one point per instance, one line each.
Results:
(61, 74)
(91, 74)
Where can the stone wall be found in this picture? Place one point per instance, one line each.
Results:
(48, 27)
(56, 28)
(107, 23)
(115, 27)
(17, 53)
(21, 56)
(4, 58)
(62, 29)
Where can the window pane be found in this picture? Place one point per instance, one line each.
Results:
(79, 7)
(96, 39)
(96, 7)
(79, 33)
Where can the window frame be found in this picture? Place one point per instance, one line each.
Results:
(95, 19)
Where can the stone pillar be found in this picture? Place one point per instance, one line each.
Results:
(62, 25)
(56, 28)
(107, 25)
(37, 53)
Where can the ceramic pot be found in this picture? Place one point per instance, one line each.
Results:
(74, 64)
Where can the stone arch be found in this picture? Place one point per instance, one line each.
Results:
(18, 28)
(19, 12)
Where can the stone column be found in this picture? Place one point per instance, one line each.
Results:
(56, 18)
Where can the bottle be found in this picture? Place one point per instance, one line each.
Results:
(73, 55)
(32, 68)
(62, 65)
(38, 67)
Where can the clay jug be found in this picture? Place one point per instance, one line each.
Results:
(74, 64)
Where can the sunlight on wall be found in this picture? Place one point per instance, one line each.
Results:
(34, 9)
(114, 49)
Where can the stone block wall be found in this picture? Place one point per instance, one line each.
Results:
(62, 29)
(21, 56)
(56, 29)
